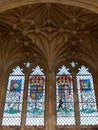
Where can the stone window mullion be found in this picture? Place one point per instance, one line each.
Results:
(76, 103)
(50, 100)
(24, 105)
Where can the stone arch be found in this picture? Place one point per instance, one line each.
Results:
(88, 4)
(79, 62)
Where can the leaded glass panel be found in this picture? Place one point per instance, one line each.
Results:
(36, 98)
(64, 98)
(86, 96)
(14, 98)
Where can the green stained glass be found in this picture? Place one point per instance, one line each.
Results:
(14, 97)
(86, 97)
(64, 98)
(36, 98)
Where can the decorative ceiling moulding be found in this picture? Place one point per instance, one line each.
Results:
(88, 4)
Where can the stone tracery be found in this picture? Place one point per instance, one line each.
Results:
(49, 34)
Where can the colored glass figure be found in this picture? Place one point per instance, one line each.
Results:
(36, 98)
(14, 95)
(64, 93)
(85, 85)
(86, 95)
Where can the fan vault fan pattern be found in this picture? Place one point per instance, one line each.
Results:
(49, 34)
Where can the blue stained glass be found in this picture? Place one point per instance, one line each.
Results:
(15, 91)
(64, 98)
(64, 91)
(85, 85)
(86, 97)
(36, 98)
(14, 97)
(16, 86)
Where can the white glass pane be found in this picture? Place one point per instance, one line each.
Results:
(86, 97)
(64, 98)
(36, 98)
(14, 98)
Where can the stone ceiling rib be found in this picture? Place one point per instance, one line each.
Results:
(49, 31)
(88, 4)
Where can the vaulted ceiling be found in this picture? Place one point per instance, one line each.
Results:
(48, 33)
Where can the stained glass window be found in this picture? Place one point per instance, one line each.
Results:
(64, 97)
(86, 96)
(14, 98)
(36, 98)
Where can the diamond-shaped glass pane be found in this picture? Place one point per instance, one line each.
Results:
(64, 98)
(36, 98)
(14, 98)
(86, 97)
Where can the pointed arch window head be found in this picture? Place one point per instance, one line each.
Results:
(86, 97)
(64, 97)
(83, 95)
(36, 98)
(14, 98)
